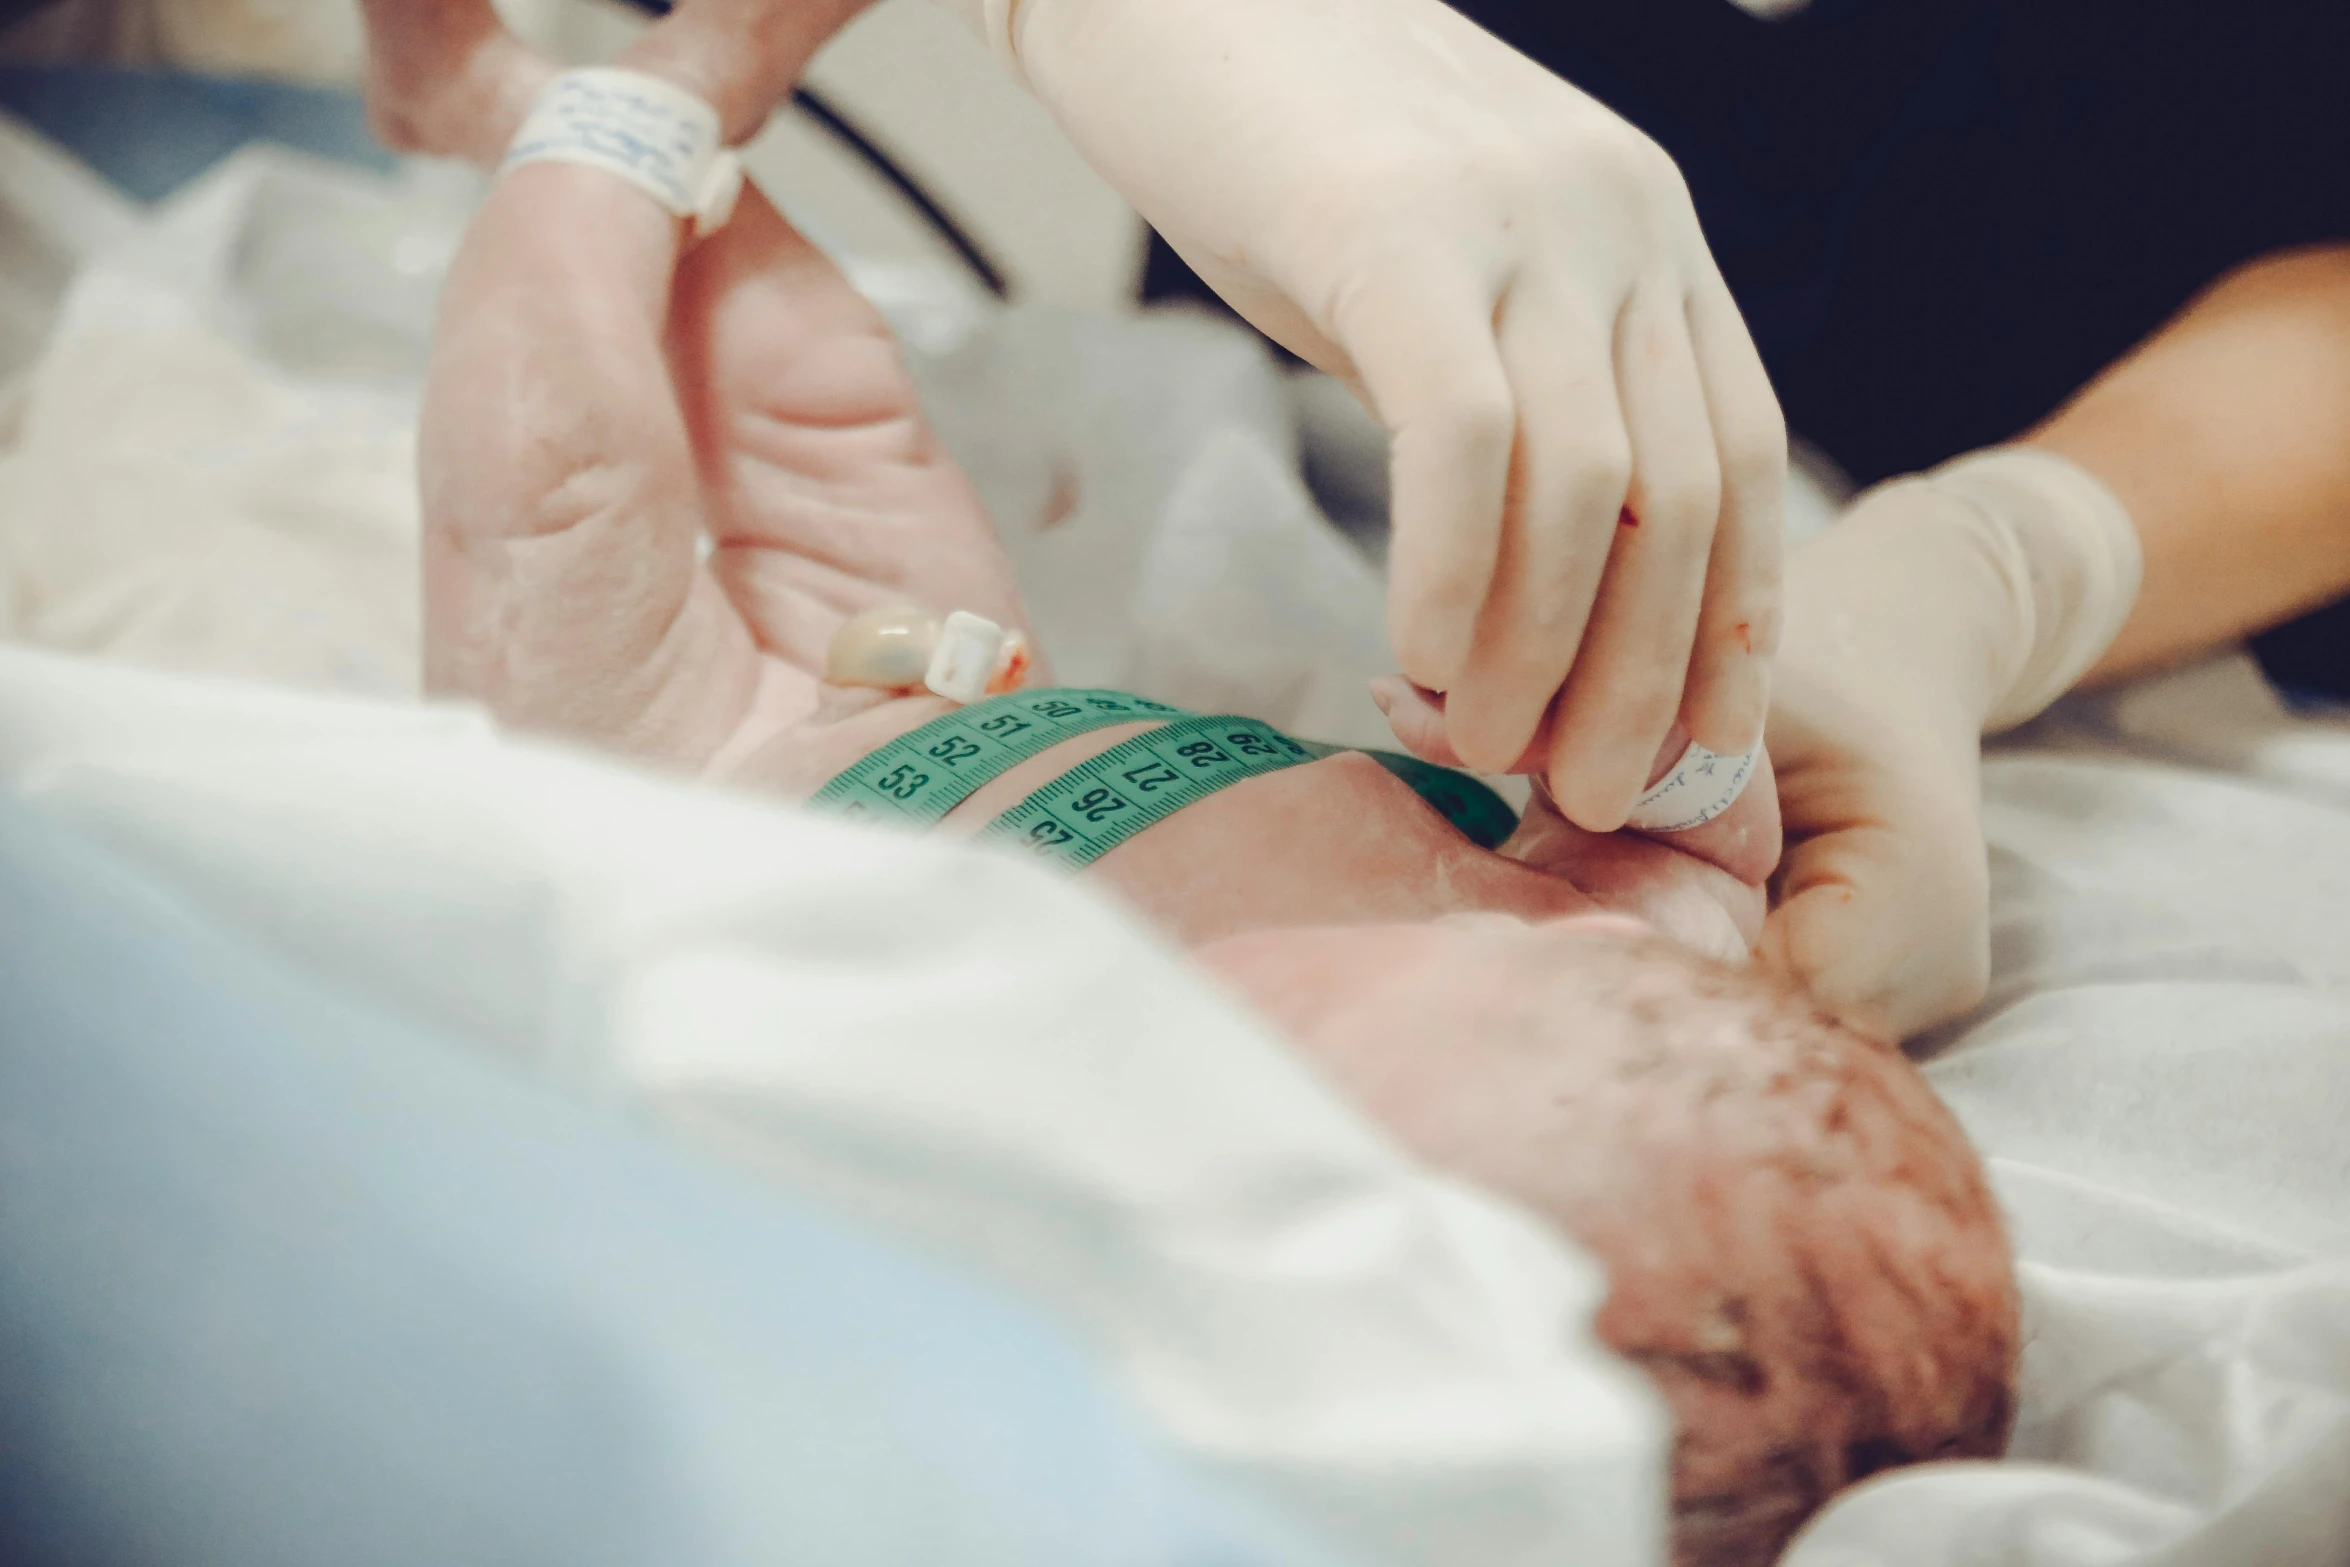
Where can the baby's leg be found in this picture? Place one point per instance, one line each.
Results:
(827, 493)
(593, 406)
(560, 501)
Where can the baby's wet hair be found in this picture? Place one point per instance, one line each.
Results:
(1803, 1250)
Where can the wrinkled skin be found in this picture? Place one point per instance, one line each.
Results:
(1801, 1247)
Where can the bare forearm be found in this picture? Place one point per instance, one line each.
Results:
(2227, 437)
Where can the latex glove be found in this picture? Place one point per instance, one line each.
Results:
(1514, 281)
(1937, 610)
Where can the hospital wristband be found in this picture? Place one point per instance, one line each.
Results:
(653, 134)
(1694, 790)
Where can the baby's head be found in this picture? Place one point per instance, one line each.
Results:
(1802, 1249)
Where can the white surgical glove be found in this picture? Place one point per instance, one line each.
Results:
(1514, 281)
(1937, 610)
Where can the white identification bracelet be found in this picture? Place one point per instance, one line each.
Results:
(658, 137)
(1695, 790)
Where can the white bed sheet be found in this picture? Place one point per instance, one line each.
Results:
(2161, 1077)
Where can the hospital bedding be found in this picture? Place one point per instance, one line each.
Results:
(2160, 1077)
(289, 1279)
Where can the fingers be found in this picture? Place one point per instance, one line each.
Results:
(740, 56)
(1728, 690)
(1419, 719)
(1622, 695)
(1422, 345)
(1416, 718)
(1569, 469)
(1744, 840)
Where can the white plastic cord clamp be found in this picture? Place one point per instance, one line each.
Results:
(969, 652)
(1695, 790)
(658, 137)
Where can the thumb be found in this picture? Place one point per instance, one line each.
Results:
(1886, 944)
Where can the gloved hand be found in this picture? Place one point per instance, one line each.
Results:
(1514, 281)
(1938, 609)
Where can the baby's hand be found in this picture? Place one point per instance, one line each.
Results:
(1679, 894)
(1702, 887)
(1743, 840)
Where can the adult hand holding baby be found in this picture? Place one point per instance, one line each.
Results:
(1884, 893)
(1513, 279)
(1661, 877)
(1587, 458)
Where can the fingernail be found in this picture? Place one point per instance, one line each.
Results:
(1579, 803)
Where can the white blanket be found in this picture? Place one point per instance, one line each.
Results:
(2161, 1077)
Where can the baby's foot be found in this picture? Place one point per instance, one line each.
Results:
(445, 79)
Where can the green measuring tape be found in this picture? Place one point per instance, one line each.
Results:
(1099, 804)
(1105, 800)
(925, 773)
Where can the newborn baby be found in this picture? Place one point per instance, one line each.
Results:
(1801, 1247)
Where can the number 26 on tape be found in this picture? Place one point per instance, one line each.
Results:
(1098, 802)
